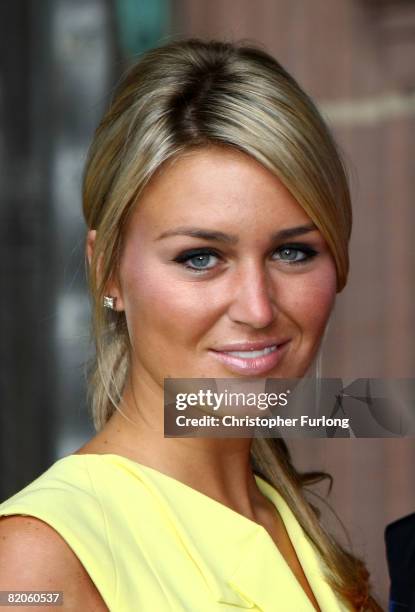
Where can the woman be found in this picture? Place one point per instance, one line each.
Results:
(219, 219)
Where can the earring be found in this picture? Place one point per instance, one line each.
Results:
(110, 302)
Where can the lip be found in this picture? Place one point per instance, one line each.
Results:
(250, 346)
(254, 365)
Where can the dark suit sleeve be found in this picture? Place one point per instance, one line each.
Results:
(400, 553)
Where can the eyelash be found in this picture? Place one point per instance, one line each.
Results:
(186, 256)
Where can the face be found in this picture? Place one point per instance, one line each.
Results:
(222, 274)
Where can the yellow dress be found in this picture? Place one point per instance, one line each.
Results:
(150, 543)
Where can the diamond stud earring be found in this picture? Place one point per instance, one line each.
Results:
(110, 302)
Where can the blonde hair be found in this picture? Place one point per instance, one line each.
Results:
(184, 95)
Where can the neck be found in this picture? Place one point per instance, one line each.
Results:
(218, 467)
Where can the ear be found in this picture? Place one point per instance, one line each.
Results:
(112, 287)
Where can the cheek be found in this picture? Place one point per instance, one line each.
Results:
(157, 307)
(312, 300)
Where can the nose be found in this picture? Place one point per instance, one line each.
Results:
(252, 297)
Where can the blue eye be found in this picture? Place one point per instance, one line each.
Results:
(198, 260)
(295, 254)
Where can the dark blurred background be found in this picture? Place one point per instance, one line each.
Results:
(59, 60)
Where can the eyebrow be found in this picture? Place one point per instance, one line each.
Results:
(208, 234)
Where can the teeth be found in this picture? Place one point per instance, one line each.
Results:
(253, 354)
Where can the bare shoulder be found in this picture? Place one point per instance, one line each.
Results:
(34, 557)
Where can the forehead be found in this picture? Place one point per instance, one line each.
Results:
(215, 186)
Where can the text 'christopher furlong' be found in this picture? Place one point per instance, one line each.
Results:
(257, 421)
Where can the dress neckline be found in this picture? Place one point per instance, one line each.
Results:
(268, 490)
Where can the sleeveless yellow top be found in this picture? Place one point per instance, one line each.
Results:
(150, 543)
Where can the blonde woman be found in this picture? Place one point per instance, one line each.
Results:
(218, 218)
